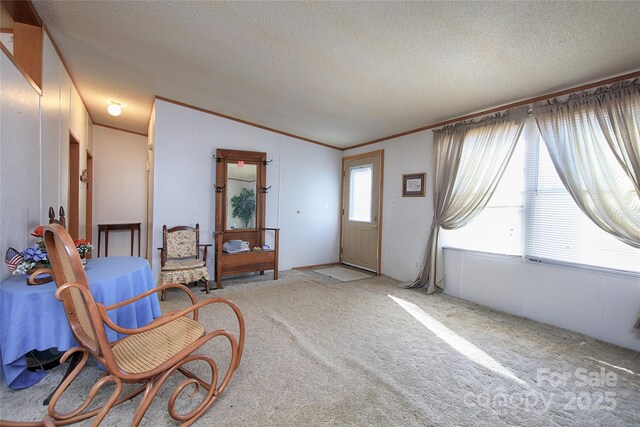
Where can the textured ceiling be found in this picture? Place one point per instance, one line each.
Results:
(340, 73)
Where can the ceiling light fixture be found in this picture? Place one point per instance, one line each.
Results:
(114, 108)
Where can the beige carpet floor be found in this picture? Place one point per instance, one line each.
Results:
(367, 353)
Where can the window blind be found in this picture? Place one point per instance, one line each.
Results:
(556, 228)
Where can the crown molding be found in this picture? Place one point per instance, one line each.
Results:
(528, 101)
(121, 130)
(245, 122)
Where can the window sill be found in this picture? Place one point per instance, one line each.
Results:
(548, 262)
(487, 254)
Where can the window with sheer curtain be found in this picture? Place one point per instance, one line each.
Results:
(532, 215)
(498, 228)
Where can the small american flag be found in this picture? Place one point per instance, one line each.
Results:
(12, 259)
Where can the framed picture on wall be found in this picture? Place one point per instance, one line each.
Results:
(413, 185)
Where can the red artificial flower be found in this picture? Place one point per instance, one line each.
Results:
(39, 231)
(81, 242)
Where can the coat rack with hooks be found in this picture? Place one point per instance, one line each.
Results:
(241, 189)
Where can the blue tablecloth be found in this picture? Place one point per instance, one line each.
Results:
(31, 318)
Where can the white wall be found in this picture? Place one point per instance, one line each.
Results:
(119, 187)
(150, 169)
(596, 303)
(20, 203)
(65, 122)
(50, 110)
(304, 178)
(35, 148)
(405, 220)
(309, 203)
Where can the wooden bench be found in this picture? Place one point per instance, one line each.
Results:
(246, 262)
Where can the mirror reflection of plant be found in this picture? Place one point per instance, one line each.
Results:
(244, 205)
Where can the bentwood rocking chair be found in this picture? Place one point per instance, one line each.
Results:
(147, 355)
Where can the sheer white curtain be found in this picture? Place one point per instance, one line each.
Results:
(593, 141)
(618, 113)
(470, 158)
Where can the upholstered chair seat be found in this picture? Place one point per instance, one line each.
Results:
(181, 264)
(180, 257)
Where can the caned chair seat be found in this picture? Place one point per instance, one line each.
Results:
(145, 351)
(182, 264)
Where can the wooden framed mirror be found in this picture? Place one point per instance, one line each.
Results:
(240, 213)
(240, 197)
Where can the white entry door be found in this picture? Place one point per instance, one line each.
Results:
(361, 186)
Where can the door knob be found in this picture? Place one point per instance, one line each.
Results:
(374, 227)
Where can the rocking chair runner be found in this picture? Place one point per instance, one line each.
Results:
(148, 355)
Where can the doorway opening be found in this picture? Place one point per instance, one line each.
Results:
(89, 203)
(73, 212)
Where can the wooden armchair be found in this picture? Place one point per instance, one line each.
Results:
(147, 355)
(180, 257)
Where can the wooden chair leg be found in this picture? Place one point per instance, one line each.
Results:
(163, 295)
(206, 285)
